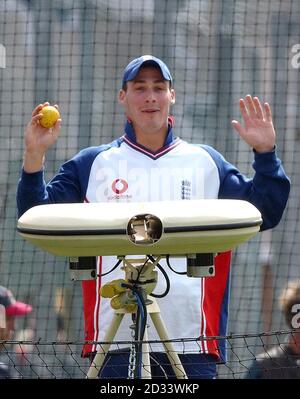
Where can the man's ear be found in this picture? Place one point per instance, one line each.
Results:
(121, 96)
(173, 96)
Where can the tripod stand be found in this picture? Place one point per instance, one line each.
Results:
(145, 278)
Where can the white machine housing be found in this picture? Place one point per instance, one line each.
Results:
(166, 227)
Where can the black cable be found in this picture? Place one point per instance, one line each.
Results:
(139, 271)
(166, 278)
(169, 265)
(138, 293)
(144, 325)
(111, 270)
(137, 344)
(140, 332)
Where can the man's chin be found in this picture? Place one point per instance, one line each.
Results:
(153, 129)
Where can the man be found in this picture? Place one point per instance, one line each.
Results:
(149, 163)
(283, 361)
(9, 309)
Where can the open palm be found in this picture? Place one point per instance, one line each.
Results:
(258, 130)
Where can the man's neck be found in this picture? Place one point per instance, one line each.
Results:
(153, 142)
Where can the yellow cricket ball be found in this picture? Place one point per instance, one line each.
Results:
(50, 116)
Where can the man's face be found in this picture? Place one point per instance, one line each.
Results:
(147, 101)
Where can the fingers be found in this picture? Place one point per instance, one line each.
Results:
(252, 108)
(38, 108)
(243, 109)
(35, 119)
(250, 105)
(268, 112)
(57, 125)
(37, 115)
(258, 108)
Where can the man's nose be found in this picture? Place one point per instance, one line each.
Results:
(150, 98)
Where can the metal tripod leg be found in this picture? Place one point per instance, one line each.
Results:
(163, 335)
(154, 311)
(101, 353)
(146, 370)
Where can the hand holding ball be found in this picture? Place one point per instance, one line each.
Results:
(50, 116)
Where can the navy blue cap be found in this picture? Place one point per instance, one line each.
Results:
(135, 65)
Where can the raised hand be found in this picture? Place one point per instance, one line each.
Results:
(38, 140)
(258, 130)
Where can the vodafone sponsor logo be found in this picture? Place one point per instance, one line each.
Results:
(119, 186)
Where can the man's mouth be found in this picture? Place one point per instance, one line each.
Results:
(150, 111)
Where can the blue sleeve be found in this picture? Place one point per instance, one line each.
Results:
(69, 185)
(268, 190)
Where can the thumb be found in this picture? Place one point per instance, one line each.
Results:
(239, 128)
